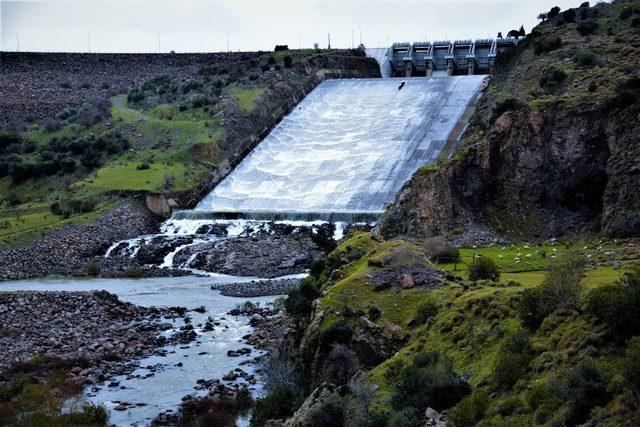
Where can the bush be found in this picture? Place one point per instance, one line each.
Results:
(555, 11)
(469, 411)
(569, 15)
(627, 12)
(548, 45)
(340, 365)
(338, 332)
(408, 417)
(586, 28)
(585, 59)
(512, 361)
(288, 61)
(484, 268)
(505, 103)
(586, 388)
(429, 381)
(631, 365)
(561, 288)
(552, 78)
(374, 313)
(90, 159)
(9, 138)
(281, 48)
(276, 405)
(299, 301)
(199, 101)
(530, 309)
(143, 166)
(617, 304)
(635, 23)
(92, 268)
(66, 208)
(441, 252)
(426, 310)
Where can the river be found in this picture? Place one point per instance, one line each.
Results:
(204, 359)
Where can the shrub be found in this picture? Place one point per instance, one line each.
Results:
(143, 166)
(276, 405)
(569, 15)
(530, 309)
(469, 411)
(586, 388)
(626, 13)
(199, 101)
(299, 301)
(632, 365)
(374, 313)
(552, 78)
(68, 207)
(635, 22)
(281, 48)
(585, 59)
(547, 45)
(562, 286)
(484, 268)
(555, 11)
(408, 417)
(9, 138)
(512, 361)
(425, 310)
(617, 304)
(586, 28)
(288, 61)
(338, 332)
(429, 381)
(340, 365)
(441, 252)
(92, 268)
(90, 159)
(506, 102)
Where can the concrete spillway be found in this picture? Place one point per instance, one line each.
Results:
(347, 148)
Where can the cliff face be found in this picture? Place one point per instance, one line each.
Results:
(543, 158)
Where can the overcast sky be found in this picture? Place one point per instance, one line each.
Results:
(208, 25)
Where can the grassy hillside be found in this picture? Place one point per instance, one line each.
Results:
(569, 366)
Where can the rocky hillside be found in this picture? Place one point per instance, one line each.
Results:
(553, 148)
(392, 333)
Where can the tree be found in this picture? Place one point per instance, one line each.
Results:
(514, 34)
(562, 287)
(543, 16)
(522, 32)
(500, 35)
(555, 11)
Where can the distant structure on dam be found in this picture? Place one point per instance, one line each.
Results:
(460, 57)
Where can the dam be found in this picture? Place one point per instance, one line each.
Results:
(345, 151)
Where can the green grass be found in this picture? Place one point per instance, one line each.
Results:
(246, 98)
(38, 221)
(126, 176)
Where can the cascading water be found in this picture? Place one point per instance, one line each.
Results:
(340, 156)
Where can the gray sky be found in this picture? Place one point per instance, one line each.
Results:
(205, 26)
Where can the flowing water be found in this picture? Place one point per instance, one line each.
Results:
(348, 147)
(169, 383)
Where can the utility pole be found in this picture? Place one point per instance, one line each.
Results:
(18, 41)
(159, 49)
(228, 42)
(329, 39)
(299, 42)
(89, 35)
(360, 31)
(352, 38)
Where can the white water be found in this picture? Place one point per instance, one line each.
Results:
(347, 147)
(170, 383)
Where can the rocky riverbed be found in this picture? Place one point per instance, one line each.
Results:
(256, 288)
(94, 327)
